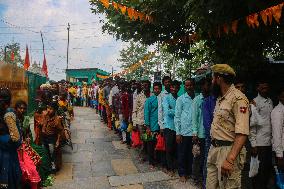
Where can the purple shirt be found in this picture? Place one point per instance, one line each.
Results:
(208, 107)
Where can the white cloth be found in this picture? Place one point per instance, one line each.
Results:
(95, 91)
(160, 108)
(112, 92)
(138, 110)
(260, 122)
(277, 120)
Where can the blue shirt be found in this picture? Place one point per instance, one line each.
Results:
(151, 113)
(169, 105)
(197, 117)
(183, 122)
(208, 107)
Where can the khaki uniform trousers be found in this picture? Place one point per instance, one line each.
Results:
(216, 157)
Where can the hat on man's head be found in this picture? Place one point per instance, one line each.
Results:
(223, 69)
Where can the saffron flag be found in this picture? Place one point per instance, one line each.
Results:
(27, 59)
(44, 66)
(12, 56)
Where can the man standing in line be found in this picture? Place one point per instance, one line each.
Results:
(198, 131)
(106, 92)
(208, 107)
(183, 126)
(138, 112)
(169, 105)
(167, 84)
(277, 120)
(229, 131)
(151, 122)
(261, 134)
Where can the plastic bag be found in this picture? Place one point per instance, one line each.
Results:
(130, 127)
(161, 145)
(136, 141)
(123, 126)
(254, 165)
(196, 150)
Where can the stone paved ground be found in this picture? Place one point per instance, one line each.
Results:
(99, 161)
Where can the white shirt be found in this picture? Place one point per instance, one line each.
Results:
(138, 111)
(277, 120)
(160, 108)
(260, 122)
(112, 92)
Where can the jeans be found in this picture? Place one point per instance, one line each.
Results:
(206, 150)
(185, 156)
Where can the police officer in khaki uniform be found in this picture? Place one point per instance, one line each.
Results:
(229, 131)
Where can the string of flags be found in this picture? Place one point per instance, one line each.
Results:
(131, 68)
(131, 12)
(253, 20)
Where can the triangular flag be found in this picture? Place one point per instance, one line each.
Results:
(122, 8)
(44, 66)
(276, 11)
(115, 5)
(235, 26)
(12, 56)
(27, 59)
(105, 3)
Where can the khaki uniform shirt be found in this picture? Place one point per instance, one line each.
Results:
(231, 116)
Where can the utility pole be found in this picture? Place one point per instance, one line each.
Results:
(112, 72)
(42, 43)
(68, 29)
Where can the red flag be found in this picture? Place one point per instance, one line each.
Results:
(27, 59)
(44, 66)
(12, 56)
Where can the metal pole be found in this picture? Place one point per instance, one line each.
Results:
(5, 53)
(68, 29)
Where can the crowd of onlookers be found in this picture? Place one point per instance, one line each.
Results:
(29, 156)
(169, 129)
(173, 131)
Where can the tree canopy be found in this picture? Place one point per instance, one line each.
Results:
(246, 49)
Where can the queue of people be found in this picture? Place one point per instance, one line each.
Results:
(208, 134)
(29, 157)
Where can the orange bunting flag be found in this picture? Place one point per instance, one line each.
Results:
(122, 8)
(226, 29)
(235, 26)
(276, 11)
(130, 12)
(135, 15)
(141, 16)
(252, 20)
(105, 3)
(115, 5)
(264, 15)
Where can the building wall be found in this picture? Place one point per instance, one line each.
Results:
(84, 73)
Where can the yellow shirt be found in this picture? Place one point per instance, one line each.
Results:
(101, 97)
(231, 116)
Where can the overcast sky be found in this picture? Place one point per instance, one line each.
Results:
(89, 47)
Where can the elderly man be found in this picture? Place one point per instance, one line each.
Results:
(229, 131)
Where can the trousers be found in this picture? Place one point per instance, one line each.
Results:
(170, 138)
(185, 156)
(216, 157)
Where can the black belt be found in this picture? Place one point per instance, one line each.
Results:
(219, 143)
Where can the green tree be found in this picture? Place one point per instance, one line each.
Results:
(11, 47)
(131, 55)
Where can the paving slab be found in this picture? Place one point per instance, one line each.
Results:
(123, 166)
(157, 185)
(134, 186)
(102, 168)
(138, 178)
(117, 145)
(66, 172)
(176, 184)
(77, 157)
